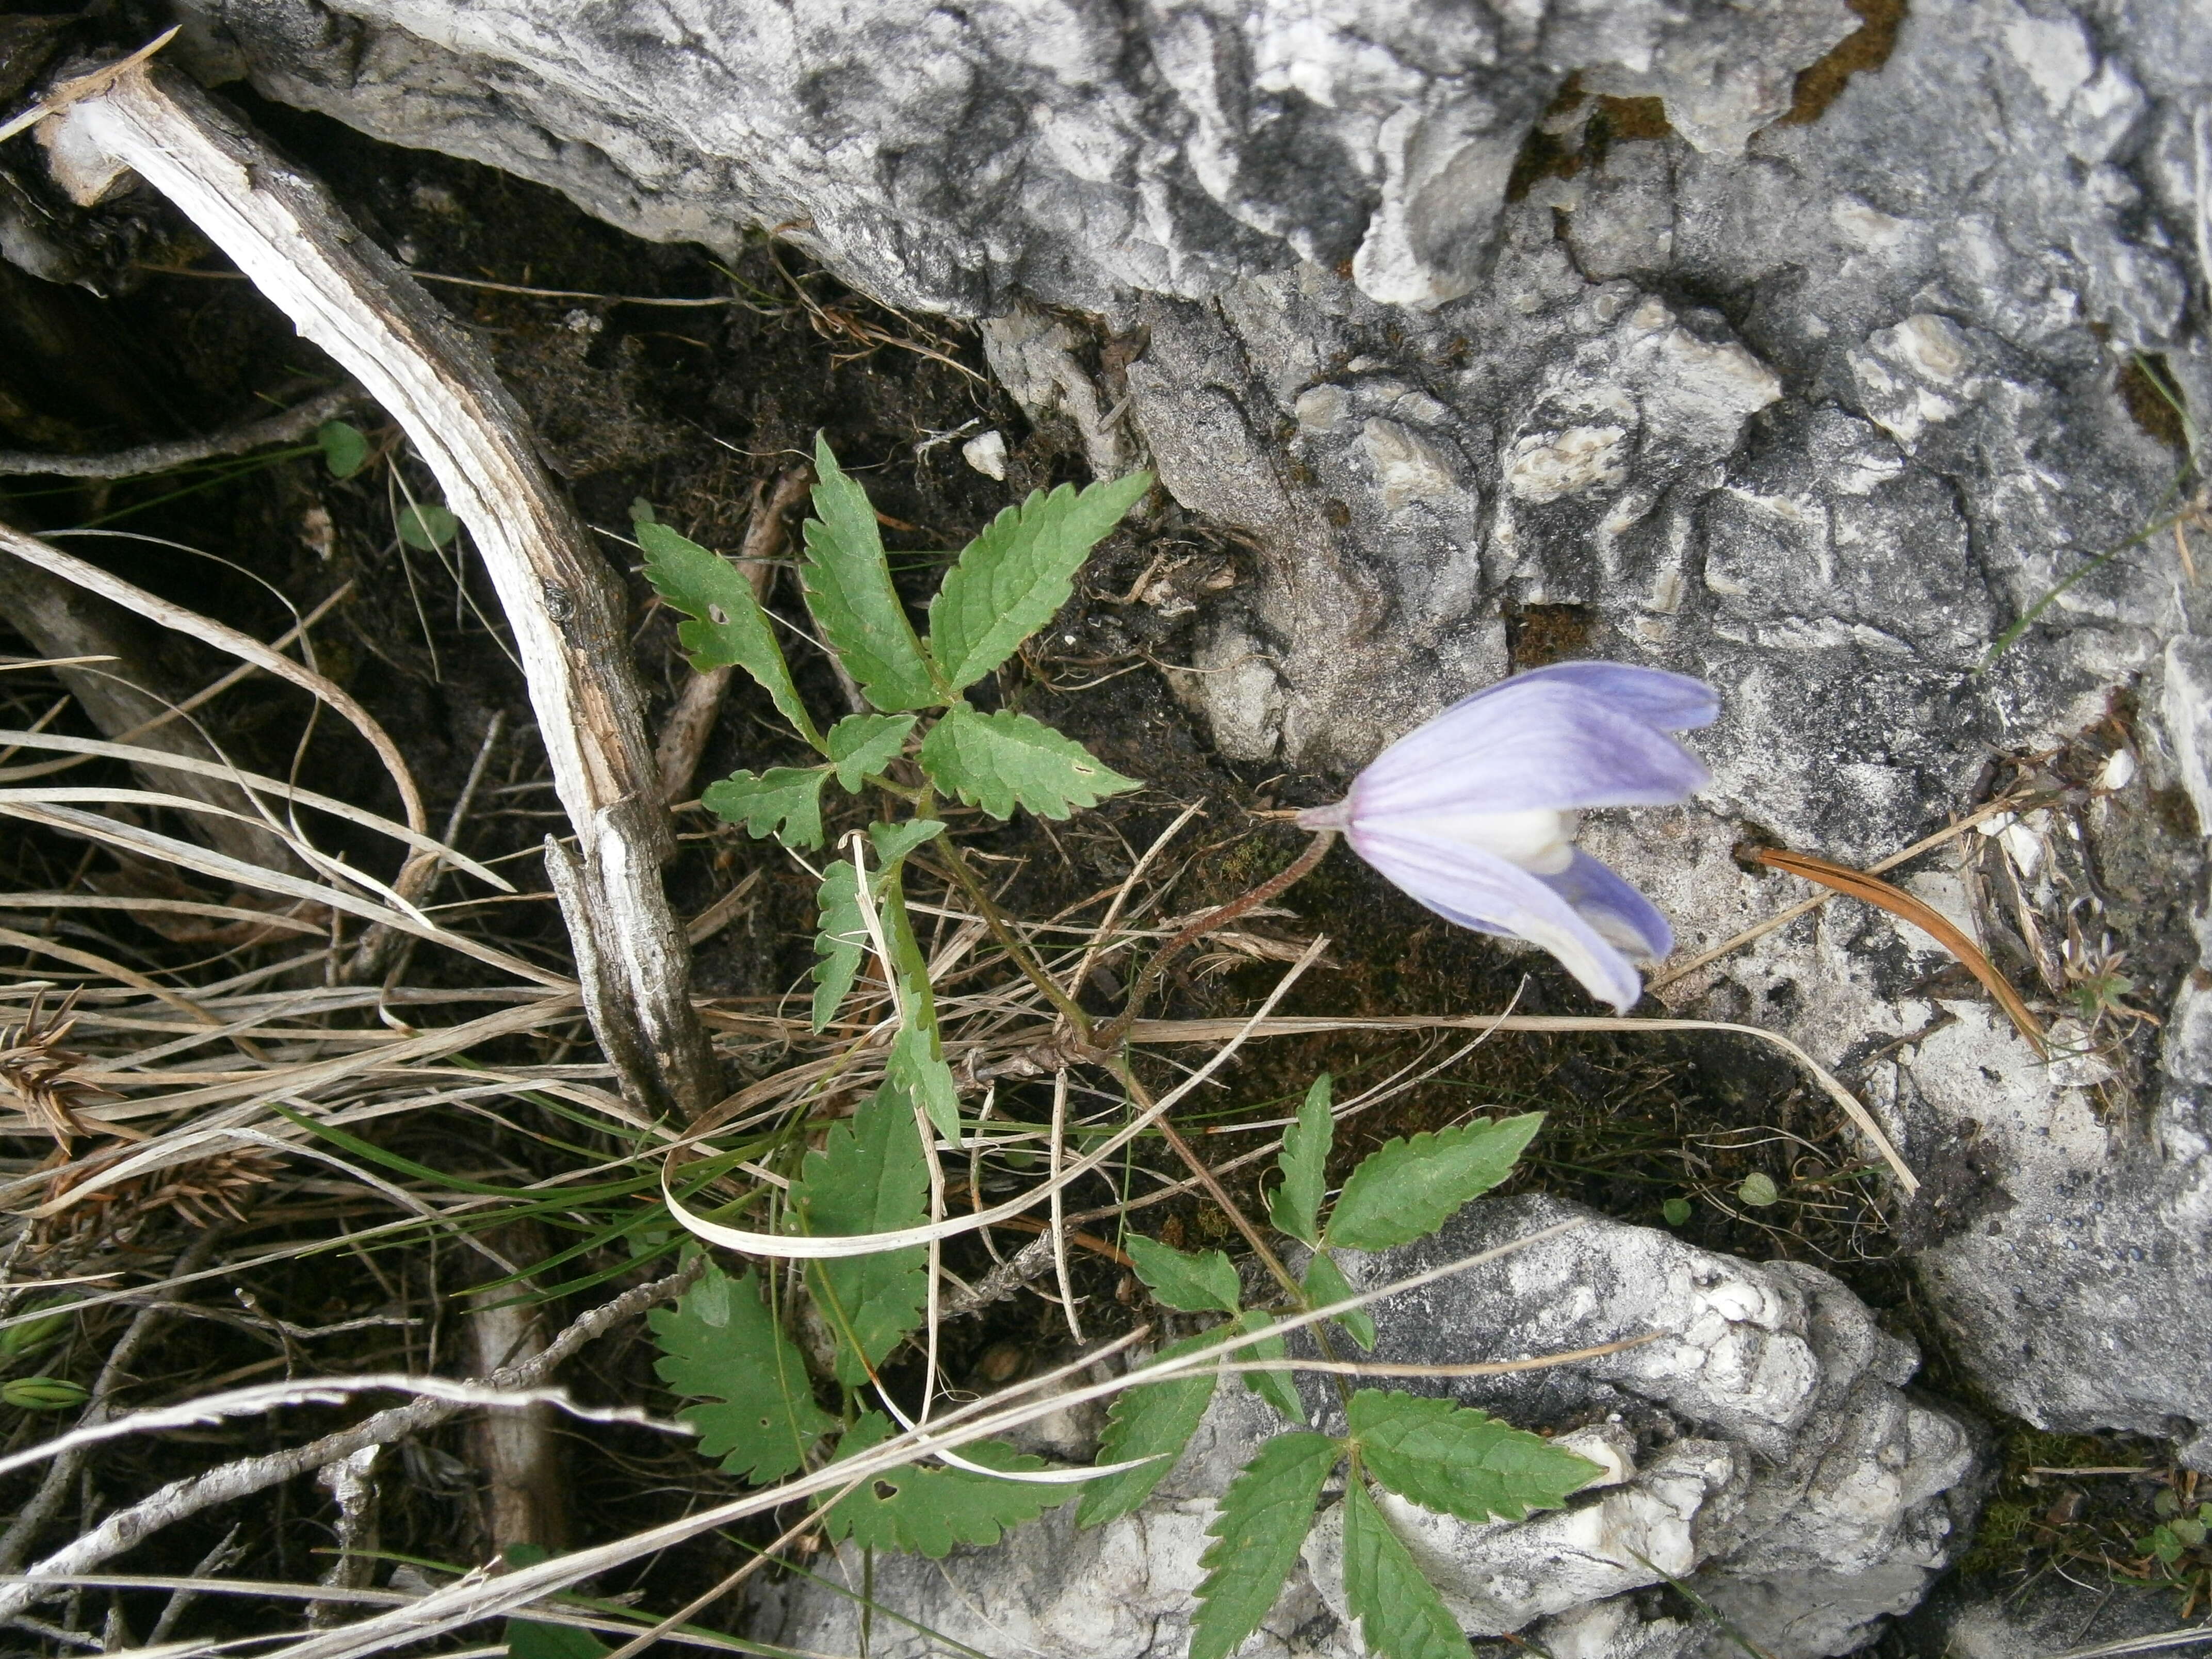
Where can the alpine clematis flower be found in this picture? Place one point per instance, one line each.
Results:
(1474, 813)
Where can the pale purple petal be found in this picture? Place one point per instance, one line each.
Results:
(1672, 702)
(1471, 888)
(1613, 907)
(1533, 743)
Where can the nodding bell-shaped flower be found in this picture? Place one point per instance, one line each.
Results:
(1475, 814)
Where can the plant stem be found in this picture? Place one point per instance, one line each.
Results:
(1016, 950)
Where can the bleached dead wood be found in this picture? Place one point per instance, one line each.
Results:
(347, 296)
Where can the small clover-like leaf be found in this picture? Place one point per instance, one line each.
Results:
(912, 1507)
(1276, 1388)
(1154, 1420)
(428, 526)
(868, 1178)
(1326, 1284)
(862, 746)
(1406, 1188)
(1003, 760)
(1200, 1283)
(727, 627)
(848, 589)
(720, 1346)
(1401, 1614)
(1011, 578)
(1263, 1519)
(784, 801)
(1462, 1461)
(345, 451)
(1295, 1205)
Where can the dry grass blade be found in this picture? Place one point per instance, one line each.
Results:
(1856, 884)
(92, 579)
(347, 296)
(1212, 1030)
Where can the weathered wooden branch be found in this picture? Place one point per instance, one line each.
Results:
(291, 426)
(346, 295)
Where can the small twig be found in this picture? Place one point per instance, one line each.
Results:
(690, 723)
(291, 426)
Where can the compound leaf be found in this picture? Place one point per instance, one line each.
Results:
(843, 944)
(1295, 1205)
(727, 627)
(1154, 1420)
(784, 801)
(1401, 1614)
(1462, 1461)
(868, 1178)
(1003, 760)
(1325, 1283)
(913, 1508)
(1200, 1283)
(848, 589)
(1012, 578)
(721, 1347)
(1263, 1519)
(1278, 1388)
(1406, 1188)
(862, 746)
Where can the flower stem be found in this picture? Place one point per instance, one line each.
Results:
(1019, 953)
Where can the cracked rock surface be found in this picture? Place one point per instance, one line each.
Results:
(1763, 1448)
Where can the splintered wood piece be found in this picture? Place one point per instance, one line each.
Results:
(341, 292)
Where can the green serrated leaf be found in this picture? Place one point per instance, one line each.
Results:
(843, 945)
(727, 627)
(720, 1346)
(1295, 1205)
(1155, 1420)
(1325, 1283)
(862, 746)
(1460, 1461)
(868, 1178)
(848, 589)
(428, 526)
(1278, 1389)
(917, 1066)
(1003, 760)
(1197, 1282)
(1011, 578)
(1263, 1519)
(345, 451)
(893, 842)
(912, 1507)
(1406, 1188)
(1401, 1614)
(784, 801)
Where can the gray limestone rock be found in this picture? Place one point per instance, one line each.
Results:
(1068, 150)
(1763, 1448)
